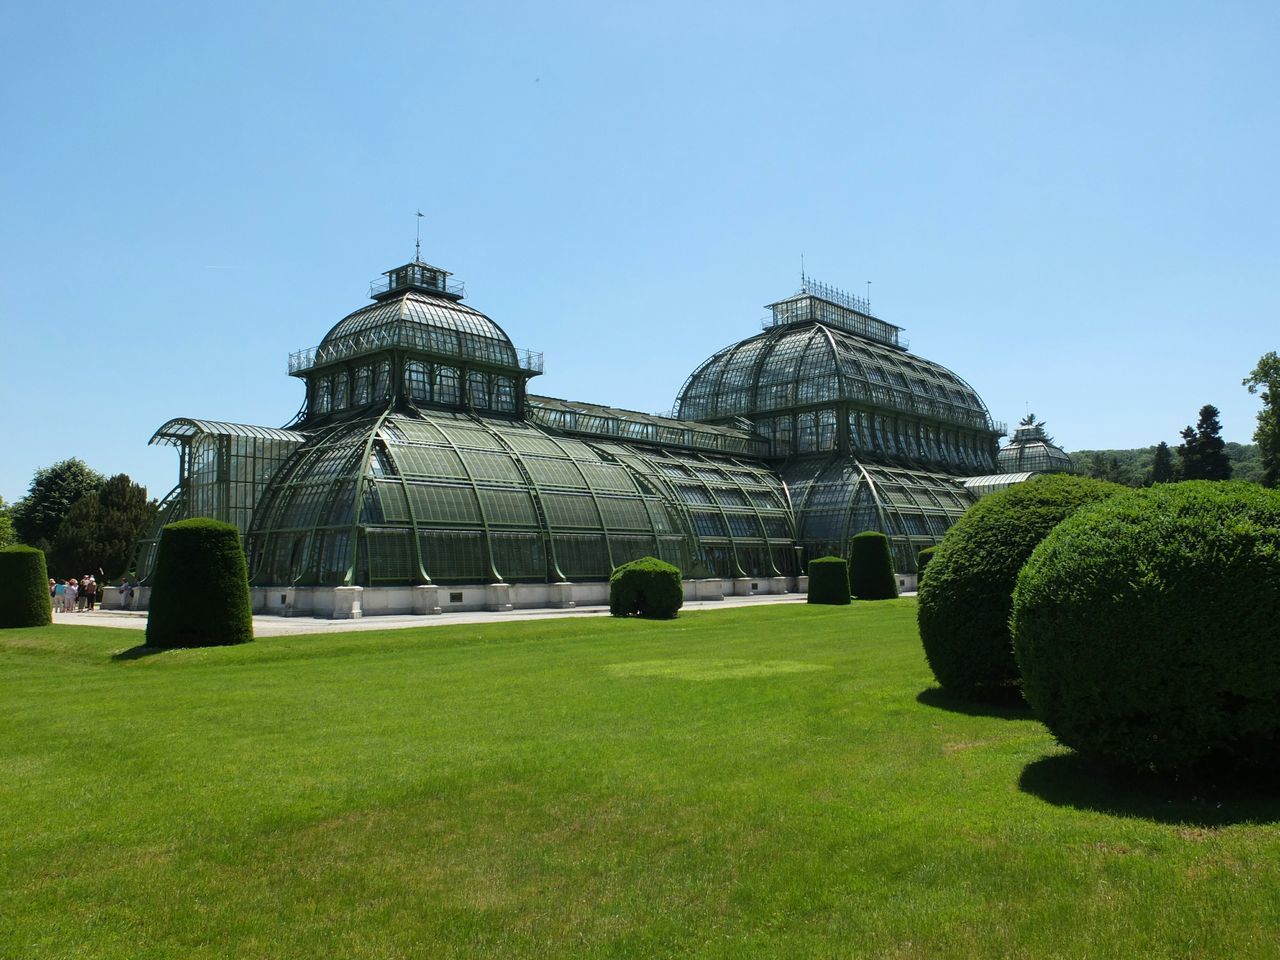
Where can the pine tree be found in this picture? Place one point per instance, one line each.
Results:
(1162, 466)
(1265, 380)
(1201, 451)
(101, 528)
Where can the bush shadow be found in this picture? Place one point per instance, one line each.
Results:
(1006, 704)
(1211, 800)
(137, 653)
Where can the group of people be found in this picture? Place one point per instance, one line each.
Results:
(73, 594)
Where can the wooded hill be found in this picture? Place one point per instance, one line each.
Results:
(1133, 467)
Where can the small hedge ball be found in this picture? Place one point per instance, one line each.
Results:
(871, 567)
(647, 587)
(200, 587)
(1148, 628)
(829, 581)
(965, 599)
(24, 588)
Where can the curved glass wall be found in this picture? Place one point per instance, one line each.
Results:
(836, 498)
(449, 498)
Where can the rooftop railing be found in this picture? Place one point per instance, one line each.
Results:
(428, 340)
(385, 284)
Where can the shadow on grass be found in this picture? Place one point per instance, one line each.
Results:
(1005, 705)
(137, 653)
(1069, 780)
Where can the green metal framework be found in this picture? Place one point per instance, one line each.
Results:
(1033, 451)
(422, 496)
(419, 456)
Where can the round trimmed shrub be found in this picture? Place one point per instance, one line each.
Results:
(871, 567)
(922, 561)
(829, 580)
(24, 588)
(200, 587)
(964, 602)
(647, 587)
(1148, 628)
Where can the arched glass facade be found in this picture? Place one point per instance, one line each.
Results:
(420, 457)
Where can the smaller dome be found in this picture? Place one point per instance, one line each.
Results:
(1033, 451)
(432, 323)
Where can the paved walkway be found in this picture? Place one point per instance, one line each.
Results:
(272, 626)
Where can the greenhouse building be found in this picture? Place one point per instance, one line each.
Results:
(422, 474)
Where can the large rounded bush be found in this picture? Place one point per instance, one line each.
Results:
(871, 567)
(828, 581)
(1148, 627)
(24, 588)
(200, 587)
(647, 587)
(965, 599)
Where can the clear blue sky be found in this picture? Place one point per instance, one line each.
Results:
(1071, 205)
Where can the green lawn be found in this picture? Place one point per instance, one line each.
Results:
(767, 782)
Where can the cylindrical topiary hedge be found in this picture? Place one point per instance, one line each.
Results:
(24, 588)
(871, 567)
(1147, 628)
(965, 599)
(647, 587)
(199, 587)
(829, 580)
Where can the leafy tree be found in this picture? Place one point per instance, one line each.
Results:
(1265, 380)
(7, 536)
(1162, 466)
(101, 528)
(37, 516)
(1201, 451)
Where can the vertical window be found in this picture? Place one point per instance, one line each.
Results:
(340, 391)
(807, 440)
(324, 396)
(826, 429)
(361, 395)
(504, 394)
(415, 381)
(382, 381)
(446, 385)
(478, 390)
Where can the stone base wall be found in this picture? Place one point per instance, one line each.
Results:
(345, 603)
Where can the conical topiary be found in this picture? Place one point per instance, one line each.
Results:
(200, 587)
(24, 588)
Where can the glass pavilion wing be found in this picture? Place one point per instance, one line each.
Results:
(837, 498)
(453, 498)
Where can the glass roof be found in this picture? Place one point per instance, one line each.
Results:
(433, 324)
(183, 428)
(800, 365)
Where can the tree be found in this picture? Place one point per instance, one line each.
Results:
(1201, 450)
(1162, 466)
(101, 528)
(7, 536)
(1265, 380)
(37, 516)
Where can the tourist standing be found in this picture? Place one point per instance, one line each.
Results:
(60, 596)
(91, 594)
(126, 594)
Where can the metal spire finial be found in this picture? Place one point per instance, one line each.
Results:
(417, 241)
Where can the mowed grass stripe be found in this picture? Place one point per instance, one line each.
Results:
(761, 782)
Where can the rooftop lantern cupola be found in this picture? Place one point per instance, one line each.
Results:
(416, 276)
